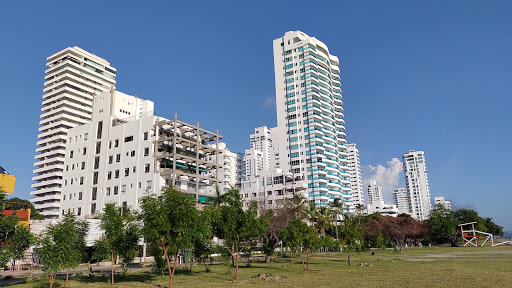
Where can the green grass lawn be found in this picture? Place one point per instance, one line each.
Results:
(415, 267)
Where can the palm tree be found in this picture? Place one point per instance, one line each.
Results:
(359, 210)
(337, 208)
(296, 207)
(323, 219)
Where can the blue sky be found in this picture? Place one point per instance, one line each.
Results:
(424, 75)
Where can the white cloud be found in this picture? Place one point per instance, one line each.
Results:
(270, 103)
(387, 177)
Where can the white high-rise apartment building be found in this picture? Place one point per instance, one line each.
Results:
(416, 181)
(401, 200)
(356, 180)
(126, 152)
(310, 126)
(111, 159)
(374, 192)
(253, 162)
(72, 78)
(261, 140)
(440, 200)
(228, 175)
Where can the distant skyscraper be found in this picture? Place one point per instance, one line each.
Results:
(73, 77)
(261, 140)
(356, 181)
(440, 200)
(416, 181)
(253, 162)
(401, 200)
(374, 192)
(310, 124)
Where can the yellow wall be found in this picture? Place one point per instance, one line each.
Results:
(7, 182)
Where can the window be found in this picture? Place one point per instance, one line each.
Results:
(116, 174)
(126, 172)
(63, 197)
(94, 178)
(133, 169)
(146, 168)
(116, 190)
(94, 193)
(79, 195)
(110, 159)
(107, 192)
(128, 139)
(118, 158)
(84, 151)
(145, 136)
(116, 143)
(83, 166)
(148, 184)
(132, 153)
(93, 208)
(96, 162)
(123, 188)
(269, 202)
(82, 180)
(100, 130)
(71, 154)
(269, 193)
(86, 135)
(146, 151)
(67, 167)
(79, 211)
(98, 147)
(109, 175)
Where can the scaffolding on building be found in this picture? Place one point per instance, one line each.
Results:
(182, 153)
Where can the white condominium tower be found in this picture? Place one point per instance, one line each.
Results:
(441, 201)
(311, 129)
(416, 181)
(261, 141)
(374, 192)
(356, 180)
(72, 78)
(401, 200)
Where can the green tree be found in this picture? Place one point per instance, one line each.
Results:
(379, 243)
(352, 235)
(292, 235)
(62, 246)
(236, 226)
(18, 204)
(14, 239)
(443, 226)
(120, 238)
(310, 241)
(171, 220)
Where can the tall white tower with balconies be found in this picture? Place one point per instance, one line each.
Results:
(416, 181)
(356, 180)
(310, 116)
(374, 193)
(72, 78)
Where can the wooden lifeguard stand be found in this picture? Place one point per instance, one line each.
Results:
(471, 236)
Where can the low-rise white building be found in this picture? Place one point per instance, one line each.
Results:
(382, 208)
(228, 174)
(272, 188)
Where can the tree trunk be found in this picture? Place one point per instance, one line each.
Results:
(307, 255)
(173, 268)
(302, 257)
(236, 266)
(168, 262)
(349, 258)
(67, 277)
(112, 267)
(52, 278)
